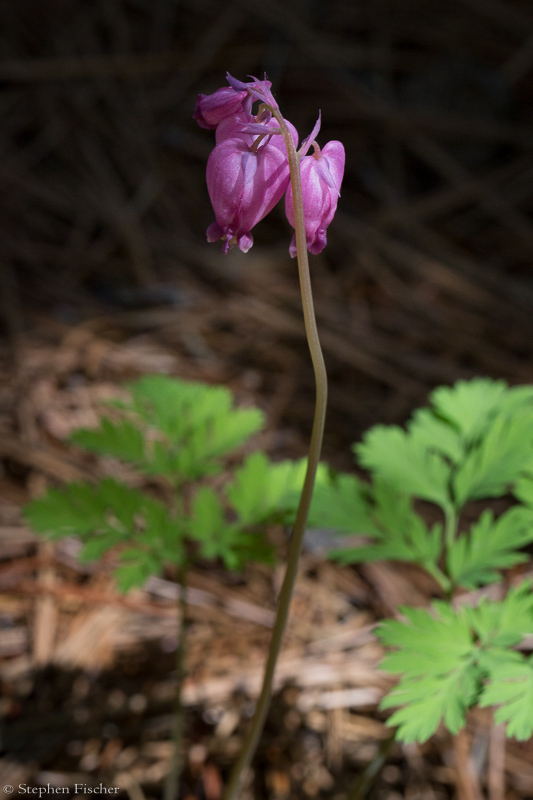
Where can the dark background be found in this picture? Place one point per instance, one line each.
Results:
(426, 277)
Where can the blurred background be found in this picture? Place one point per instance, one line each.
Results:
(426, 277)
(105, 272)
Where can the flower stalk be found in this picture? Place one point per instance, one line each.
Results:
(254, 163)
(298, 531)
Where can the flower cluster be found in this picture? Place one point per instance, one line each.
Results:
(248, 170)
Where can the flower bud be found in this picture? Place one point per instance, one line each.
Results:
(321, 175)
(211, 109)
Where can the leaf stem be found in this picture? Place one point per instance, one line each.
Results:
(450, 526)
(172, 784)
(441, 578)
(315, 447)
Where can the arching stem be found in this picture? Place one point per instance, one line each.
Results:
(315, 447)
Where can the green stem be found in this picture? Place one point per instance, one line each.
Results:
(298, 531)
(450, 526)
(172, 784)
(442, 579)
(450, 532)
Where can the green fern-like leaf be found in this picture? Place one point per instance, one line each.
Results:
(510, 688)
(476, 558)
(341, 502)
(436, 658)
(262, 490)
(121, 439)
(469, 405)
(448, 657)
(498, 459)
(178, 429)
(81, 509)
(505, 623)
(108, 514)
(410, 463)
(218, 538)
(397, 532)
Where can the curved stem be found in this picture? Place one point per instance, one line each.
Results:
(315, 447)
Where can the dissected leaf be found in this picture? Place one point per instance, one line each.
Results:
(120, 439)
(262, 490)
(398, 533)
(436, 658)
(498, 459)
(468, 405)
(510, 688)
(198, 421)
(218, 538)
(83, 508)
(433, 433)
(504, 623)
(175, 428)
(108, 514)
(445, 657)
(341, 503)
(406, 462)
(476, 558)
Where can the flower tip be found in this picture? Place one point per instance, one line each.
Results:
(244, 242)
(292, 247)
(214, 232)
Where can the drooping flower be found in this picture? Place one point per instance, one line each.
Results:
(211, 109)
(321, 175)
(248, 171)
(244, 186)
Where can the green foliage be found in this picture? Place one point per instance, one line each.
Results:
(473, 442)
(450, 658)
(397, 532)
(262, 490)
(177, 429)
(497, 459)
(342, 502)
(476, 557)
(511, 689)
(183, 432)
(436, 658)
(409, 463)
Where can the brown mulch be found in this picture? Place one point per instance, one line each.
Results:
(105, 275)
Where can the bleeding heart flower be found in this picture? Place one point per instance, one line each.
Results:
(322, 175)
(244, 186)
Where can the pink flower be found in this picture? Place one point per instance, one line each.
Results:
(244, 186)
(248, 171)
(321, 182)
(232, 127)
(211, 109)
